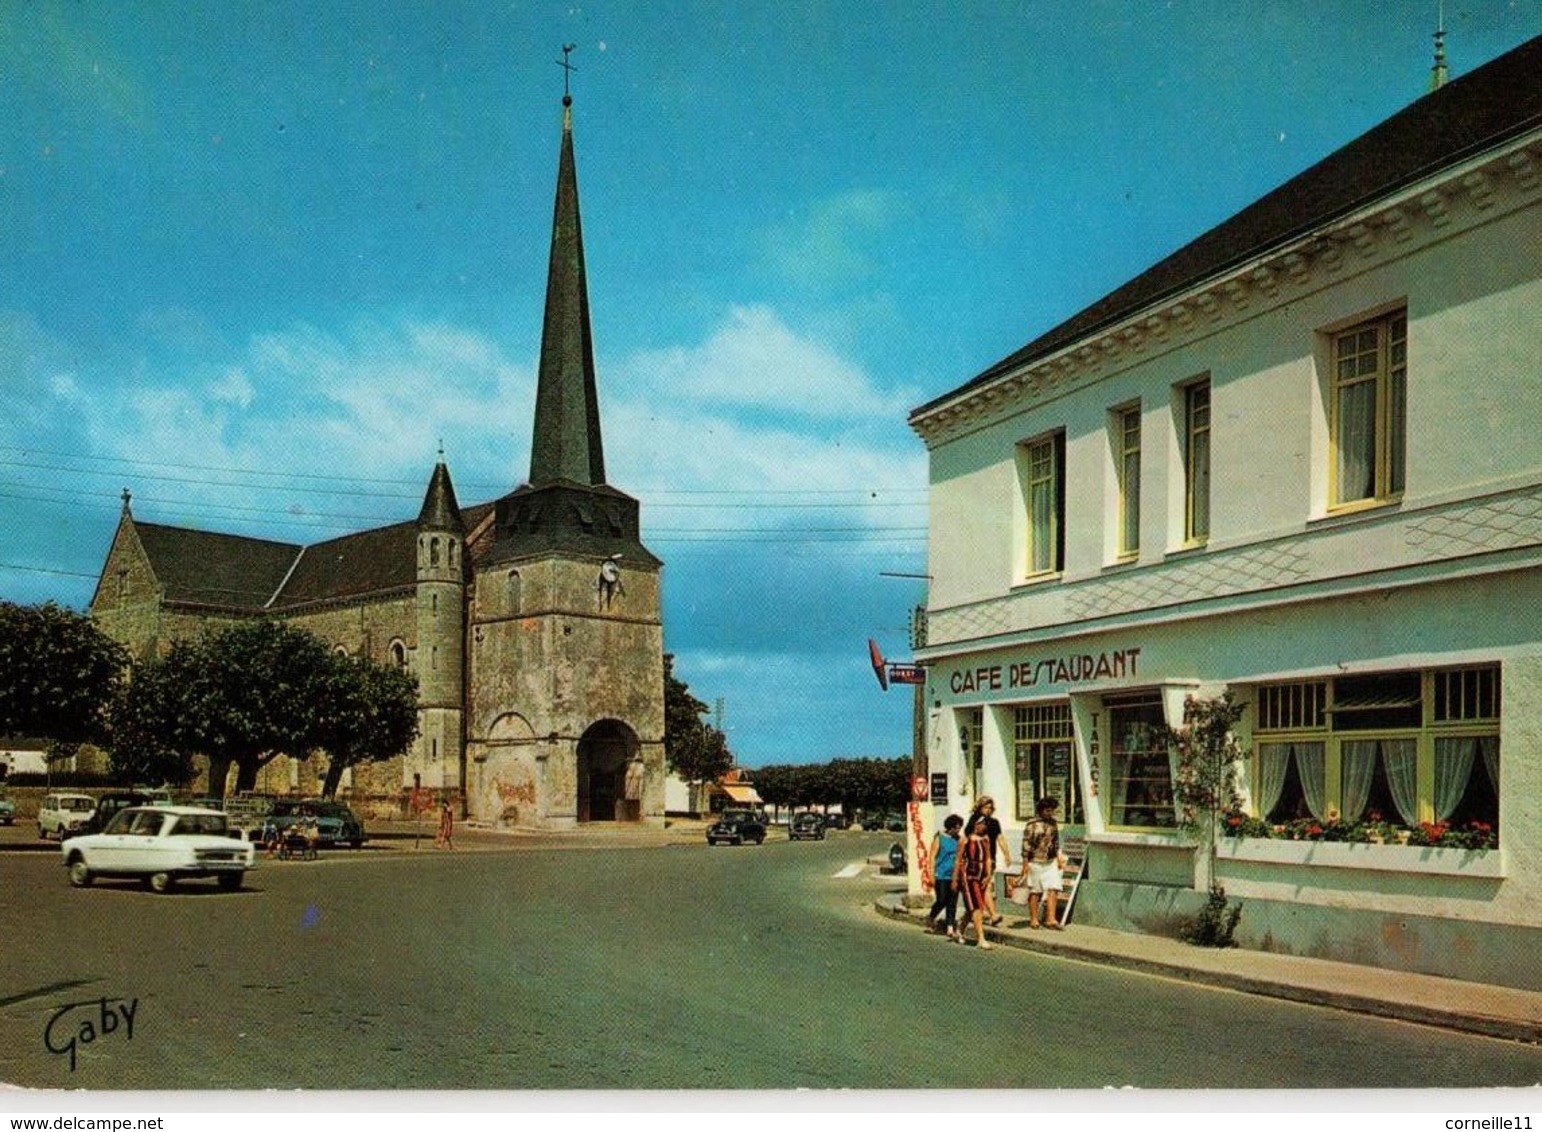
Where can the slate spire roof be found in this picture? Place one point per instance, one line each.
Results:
(566, 443)
(440, 511)
(1462, 118)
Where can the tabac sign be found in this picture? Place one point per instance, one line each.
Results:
(1072, 668)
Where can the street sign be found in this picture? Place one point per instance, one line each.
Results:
(876, 658)
(907, 674)
(940, 788)
(918, 788)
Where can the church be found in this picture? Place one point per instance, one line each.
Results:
(532, 622)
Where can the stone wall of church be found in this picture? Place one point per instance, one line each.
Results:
(365, 628)
(548, 648)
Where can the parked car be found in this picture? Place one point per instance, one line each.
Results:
(59, 815)
(837, 821)
(894, 823)
(806, 827)
(336, 824)
(735, 827)
(7, 810)
(106, 806)
(871, 822)
(160, 845)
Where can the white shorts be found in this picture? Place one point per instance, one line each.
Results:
(1044, 877)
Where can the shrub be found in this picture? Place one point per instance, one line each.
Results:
(1215, 923)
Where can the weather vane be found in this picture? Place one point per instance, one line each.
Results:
(567, 71)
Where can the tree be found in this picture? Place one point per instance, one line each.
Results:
(150, 718)
(59, 675)
(368, 713)
(693, 749)
(1205, 787)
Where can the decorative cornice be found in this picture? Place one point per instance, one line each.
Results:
(1468, 193)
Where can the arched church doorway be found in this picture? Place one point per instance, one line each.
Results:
(609, 773)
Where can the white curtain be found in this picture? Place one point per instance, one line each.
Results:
(1453, 767)
(1357, 766)
(1489, 745)
(1309, 763)
(1357, 441)
(1273, 758)
(1402, 762)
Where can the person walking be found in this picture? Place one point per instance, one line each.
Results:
(1042, 864)
(944, 860)
(445, 838)
(984, 812)
(974, 866)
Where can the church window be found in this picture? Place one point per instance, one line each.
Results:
(452, 553)
(433, 552)
(433, 657)
(433, 748)
(399, 654)
(514, 591)
(123, 583)
(433, 603)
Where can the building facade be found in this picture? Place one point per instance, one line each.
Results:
(1295, 461)
(532, 622)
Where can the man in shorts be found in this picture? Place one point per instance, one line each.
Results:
(1042, 862)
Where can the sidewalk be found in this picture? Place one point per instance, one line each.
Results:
(1502, 1012)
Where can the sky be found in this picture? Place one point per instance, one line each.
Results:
(258, 261)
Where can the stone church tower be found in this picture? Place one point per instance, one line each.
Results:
(565, 690)
(532, 622)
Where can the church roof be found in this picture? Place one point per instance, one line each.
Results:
(566, 442)
(207, 568)
(366, 562)
(1468, 115)
(440, 511)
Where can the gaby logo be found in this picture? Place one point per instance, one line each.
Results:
(78, 1024)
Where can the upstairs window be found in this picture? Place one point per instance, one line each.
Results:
(1042, 466)
(1368, 410)
(1196, 462)
(1127, 456)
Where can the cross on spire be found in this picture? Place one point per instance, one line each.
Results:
(567, 71)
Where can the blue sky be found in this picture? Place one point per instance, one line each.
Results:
(259, 259)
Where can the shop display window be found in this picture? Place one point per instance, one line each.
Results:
(1140, 790)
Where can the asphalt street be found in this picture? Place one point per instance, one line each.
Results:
(609, 965)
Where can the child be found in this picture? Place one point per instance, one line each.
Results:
(944, 858)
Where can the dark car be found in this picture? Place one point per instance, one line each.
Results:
(806, 827)
(735, 827)
(335, 823)
(871, 822)
(894, 823)
(837, 821)
(107, 805)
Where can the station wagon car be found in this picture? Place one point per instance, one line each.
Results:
(160, 845)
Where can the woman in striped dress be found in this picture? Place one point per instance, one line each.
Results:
(974, 866)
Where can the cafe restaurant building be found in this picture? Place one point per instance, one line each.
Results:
(1296, 461)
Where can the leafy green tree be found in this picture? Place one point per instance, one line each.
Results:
(1207, 786)
(693, 749)
(59, 675)
(151, 717)
(368, 713)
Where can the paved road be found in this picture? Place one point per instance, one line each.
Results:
(614, 967)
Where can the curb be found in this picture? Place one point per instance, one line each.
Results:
(1510, 1029)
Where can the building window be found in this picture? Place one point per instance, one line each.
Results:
(1041, 750)
(399, 654)
(433, 552)
(1042, 467)
(451, 545)
(971, 741)
(1196, 462)
(1407, 748)
(1127, 458)
(1140, 773)
(1370, 378)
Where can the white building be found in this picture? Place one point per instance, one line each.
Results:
(1297, 460)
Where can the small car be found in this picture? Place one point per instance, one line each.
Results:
(336, 824)
(837, 821)
(59, 815)
(870, 822)
(7, 810)
(107, 805)
(806, 827)
(735, 827)
(160, 845)
(894, 823)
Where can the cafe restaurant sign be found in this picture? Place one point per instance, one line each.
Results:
(1075, 668)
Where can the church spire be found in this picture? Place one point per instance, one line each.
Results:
(566, 442)
(440, 511)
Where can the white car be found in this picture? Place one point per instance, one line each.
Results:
(160, 845)
(62, 814)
